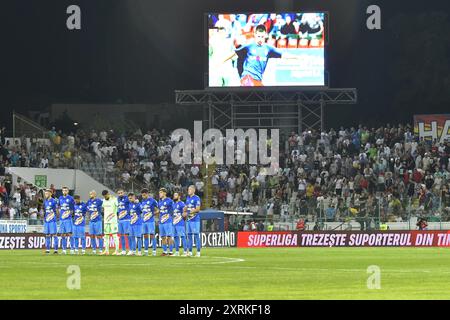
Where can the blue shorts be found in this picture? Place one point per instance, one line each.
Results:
(179, 231)
(166, 230)
(136, 230)
(50, 227)
(95, 228)
(79, 232)
(193, 227)
(65, 226)
(148, 228)
(124, 227)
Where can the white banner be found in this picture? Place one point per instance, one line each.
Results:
(13, 226)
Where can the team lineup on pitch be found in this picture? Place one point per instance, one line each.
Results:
(135, 221)
(233, 273)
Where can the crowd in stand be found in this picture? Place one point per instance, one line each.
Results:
(367, 174)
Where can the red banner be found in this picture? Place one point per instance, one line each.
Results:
(267, 239)
(439, 238)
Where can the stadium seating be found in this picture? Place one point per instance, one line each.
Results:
(346, 155)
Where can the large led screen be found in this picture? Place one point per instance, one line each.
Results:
(266, 49)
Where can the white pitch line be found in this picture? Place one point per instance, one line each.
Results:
(190, 261)
(230, 260)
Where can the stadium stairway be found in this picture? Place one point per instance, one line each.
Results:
(91, 172)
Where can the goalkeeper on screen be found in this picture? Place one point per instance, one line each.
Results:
(110, 206)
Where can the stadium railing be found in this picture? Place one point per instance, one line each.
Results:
(382, 214)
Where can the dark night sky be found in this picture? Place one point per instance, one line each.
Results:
(140, 51)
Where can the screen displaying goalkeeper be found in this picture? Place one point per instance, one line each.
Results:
(110, 221)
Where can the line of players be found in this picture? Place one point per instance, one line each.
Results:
(125, 216)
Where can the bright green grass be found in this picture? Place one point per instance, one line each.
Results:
(297, 273)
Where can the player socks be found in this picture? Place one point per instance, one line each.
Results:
(183, 240)
(132, 241)
(146, 243)
(116, 241)
(177, 244)
(139, 244)
(47, 243)
(64, 243)
(164, 247)
(55, 243)
(75, 244)
(190, 242)
(100, 243)
(123, 242)
(72, 243)
(197, 242)
(94, 244)
(83, 243)
(106, 241)
(154, 243)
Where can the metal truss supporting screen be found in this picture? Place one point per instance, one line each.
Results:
(286, 110)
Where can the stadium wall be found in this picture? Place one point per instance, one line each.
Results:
(75, 180)
(18, 241)
(280, 239)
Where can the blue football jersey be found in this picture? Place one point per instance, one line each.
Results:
(50, 210)
(135, 213)
(192, 203)
(66, 207)
(79, 214)
(148, 207)
(256, 58)
(123, 209)
(178, 208)
(94, 207)
(165, 210)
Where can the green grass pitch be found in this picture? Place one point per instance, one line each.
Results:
(231, 273)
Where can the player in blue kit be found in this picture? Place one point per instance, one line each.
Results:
(50, 211)
(255, 57)
(192, 210)
(66, 205)
(149, 208)
(79, 223)
(124, 219)
(94, 208)
(179, 226)
(165, 206)
(135, 225)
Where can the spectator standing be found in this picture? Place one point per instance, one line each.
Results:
(12, 213)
